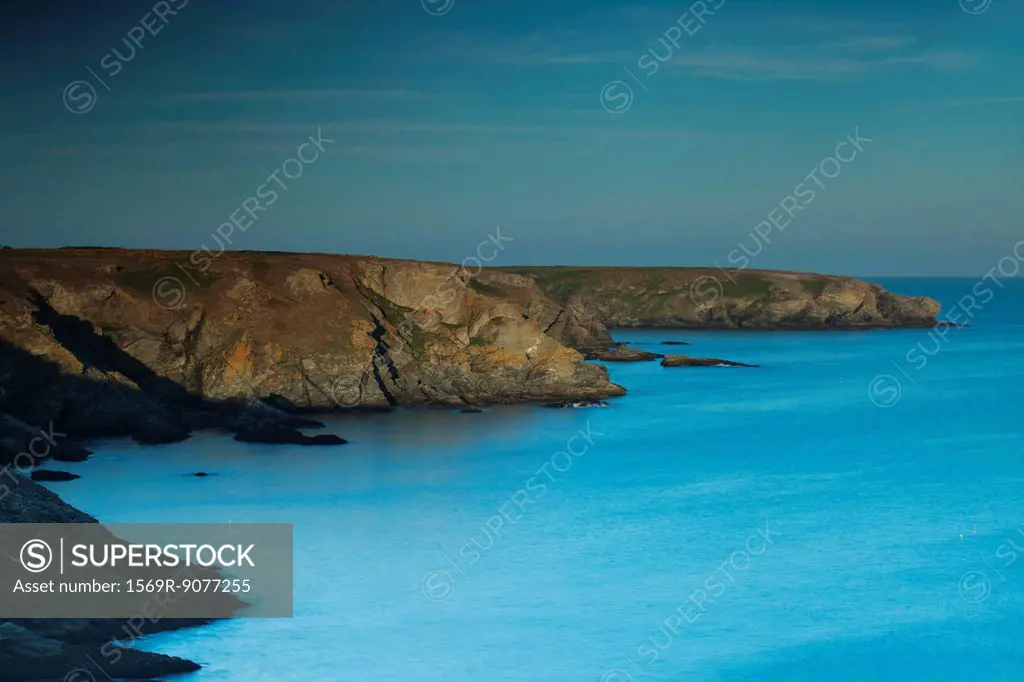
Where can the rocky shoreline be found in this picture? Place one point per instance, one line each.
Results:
(143, 344)
(79, 649)
(111, 342)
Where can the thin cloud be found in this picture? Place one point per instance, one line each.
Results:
(752, 66)
(813, 64)
(564, 47)
(873, 43)
(983, 101)
(396, 127)
(287, 135)
(327, 93)
(338, 127)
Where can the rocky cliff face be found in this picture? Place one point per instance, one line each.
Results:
(97, 337)
(696, 298)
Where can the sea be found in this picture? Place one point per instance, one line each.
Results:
(851, 509)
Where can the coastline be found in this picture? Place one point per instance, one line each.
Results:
(88, 349)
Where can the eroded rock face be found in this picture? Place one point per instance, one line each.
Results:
(133, 342)
(712, 299)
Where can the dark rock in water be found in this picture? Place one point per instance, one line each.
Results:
(575, 403)
(471, 410)
(252, 431)
(257, 422)
(253, 409)
(70, 452)
(51, 475)
(324, 439)
(156, 429)
(622, 353)
(675, 343)
(687, 361)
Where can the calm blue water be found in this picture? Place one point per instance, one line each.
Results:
(599, 575)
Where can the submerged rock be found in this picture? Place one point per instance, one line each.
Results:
(687, 361)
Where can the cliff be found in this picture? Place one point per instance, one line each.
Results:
(143, 343)
(102, 340)
(702, 298)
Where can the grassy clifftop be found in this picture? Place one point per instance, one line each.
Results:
(708, 298)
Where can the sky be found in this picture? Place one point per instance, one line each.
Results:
(865, 138)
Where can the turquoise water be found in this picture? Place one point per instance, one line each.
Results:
(716, 524)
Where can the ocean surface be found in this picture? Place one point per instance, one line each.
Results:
(843, 512)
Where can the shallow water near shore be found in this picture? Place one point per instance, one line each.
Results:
(829, 515)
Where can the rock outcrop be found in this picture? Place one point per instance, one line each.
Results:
(687, 361)
(622, 353)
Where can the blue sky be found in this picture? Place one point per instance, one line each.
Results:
(449, 122)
